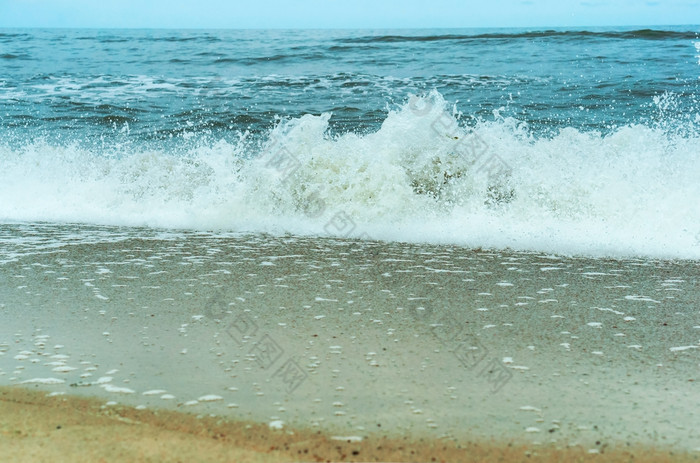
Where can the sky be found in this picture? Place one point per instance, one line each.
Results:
(235, 14)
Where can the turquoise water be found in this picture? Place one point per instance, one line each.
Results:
(570, 141)
(172, 201)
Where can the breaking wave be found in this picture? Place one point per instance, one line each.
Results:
(424, 176)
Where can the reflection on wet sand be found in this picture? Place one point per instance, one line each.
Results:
(359, 339)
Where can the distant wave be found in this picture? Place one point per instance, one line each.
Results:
(13, 56)
(641, 34)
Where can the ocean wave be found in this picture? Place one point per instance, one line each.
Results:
(423, 176)
(640, 34)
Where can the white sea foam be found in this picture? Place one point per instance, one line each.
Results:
(630, 192)
(44, 381)
(117, 389)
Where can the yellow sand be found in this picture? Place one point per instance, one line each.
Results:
(57, 429)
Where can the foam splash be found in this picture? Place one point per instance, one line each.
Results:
(422, 177)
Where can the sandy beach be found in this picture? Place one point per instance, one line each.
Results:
(37, 428)
(420, 232)
(197, 347)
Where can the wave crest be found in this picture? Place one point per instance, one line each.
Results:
(424, 176)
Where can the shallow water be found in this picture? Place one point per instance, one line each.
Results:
(357, 337)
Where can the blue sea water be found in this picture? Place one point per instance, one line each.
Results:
(568, 140)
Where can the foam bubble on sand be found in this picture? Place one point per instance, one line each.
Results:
(347, 438)
(276, 424)
(635, 297)
(210, 398)
(63, 369)
(155, 392)
(116, 389)
(44, 381)
(606, 309)
(682, 348)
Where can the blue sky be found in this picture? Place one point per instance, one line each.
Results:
(344, 13)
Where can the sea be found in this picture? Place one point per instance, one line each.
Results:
(458, 234)
(573, 141)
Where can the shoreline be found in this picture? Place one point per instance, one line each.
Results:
(348, 338)
(68, 428)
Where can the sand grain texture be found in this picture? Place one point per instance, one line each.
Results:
(70, 429)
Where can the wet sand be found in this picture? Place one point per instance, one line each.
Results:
(423, 346)
(70, 429)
